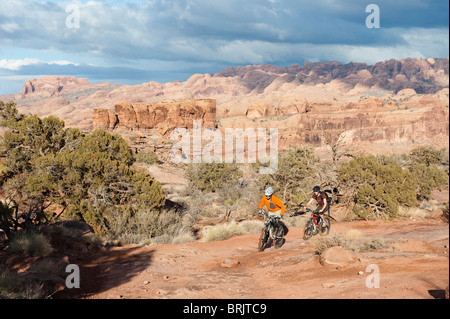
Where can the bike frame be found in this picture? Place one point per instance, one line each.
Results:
(314, 219)
(271, 227)
(270, 224)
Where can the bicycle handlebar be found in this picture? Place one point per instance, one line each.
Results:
(273, 216)
(312, 211)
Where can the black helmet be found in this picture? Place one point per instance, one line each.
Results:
(316, 189)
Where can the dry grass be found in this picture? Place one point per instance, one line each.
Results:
(323, 243)
(220, 232)
(150, 227)
(228, 230)
(12, 286)
(412, 212)
(351, 242)
(30, 243)
(353, 234)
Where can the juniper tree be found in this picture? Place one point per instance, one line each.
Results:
(49, 170)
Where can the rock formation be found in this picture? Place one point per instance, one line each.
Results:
(397, 104)
(163, 115)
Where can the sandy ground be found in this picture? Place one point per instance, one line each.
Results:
(416, 265)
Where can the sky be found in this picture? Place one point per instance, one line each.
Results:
(134, 42)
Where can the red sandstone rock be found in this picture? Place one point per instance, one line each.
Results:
(165, 115)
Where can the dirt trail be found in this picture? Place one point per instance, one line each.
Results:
(415, 266)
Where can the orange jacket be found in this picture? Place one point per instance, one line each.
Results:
(276, 204)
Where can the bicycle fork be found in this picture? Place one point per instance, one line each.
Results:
(319, 223)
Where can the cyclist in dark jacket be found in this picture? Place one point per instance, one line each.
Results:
(321, 198)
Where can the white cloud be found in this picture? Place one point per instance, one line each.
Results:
(17, 64)
(10, 27)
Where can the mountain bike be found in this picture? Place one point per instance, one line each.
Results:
(316, 224)
(272, 231)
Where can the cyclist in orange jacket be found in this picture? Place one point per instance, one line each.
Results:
(274, 205)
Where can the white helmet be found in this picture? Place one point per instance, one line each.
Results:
(269, 191)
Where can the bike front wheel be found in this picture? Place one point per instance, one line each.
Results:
(308, 232)
(263, 239)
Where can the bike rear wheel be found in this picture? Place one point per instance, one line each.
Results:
(263, 239)
(325, 230)
(308, 232)
(278, 235)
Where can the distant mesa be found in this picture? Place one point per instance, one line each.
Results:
(163, 115)
(390, 106)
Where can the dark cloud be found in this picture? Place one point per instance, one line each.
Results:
(218, 33)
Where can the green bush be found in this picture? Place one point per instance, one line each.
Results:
(209, 177)
(428, 178)
(295, 177)
(378, 189)
(429, 166)
(147, 157)
(9, 114)
(84, 176)
(427, 155)
(30, 243)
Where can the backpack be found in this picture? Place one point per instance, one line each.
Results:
(329, 200)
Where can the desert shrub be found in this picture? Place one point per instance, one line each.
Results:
(323, 243)
(350, 241)
(295, 176)
(30, 243)
(251, 226)
(146, 226)
(240, 199)
(429, 178)
(209, 177)
(13, 286)
(220, 232)
(445, 211)
(445, 160)
(415, 212)
(146, 157)
(6, 217)
(9, 114)
(227, 230)
(378, 189)
(372, 245)
(84, 176)
(7, 282)
(92, 239)
(426, 155)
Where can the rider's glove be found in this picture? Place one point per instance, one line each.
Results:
(260, 211)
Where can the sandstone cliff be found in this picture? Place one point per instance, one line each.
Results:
(163, 115)
(390, 106)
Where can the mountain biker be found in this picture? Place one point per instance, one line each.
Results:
(321, 198)
(274, 205)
